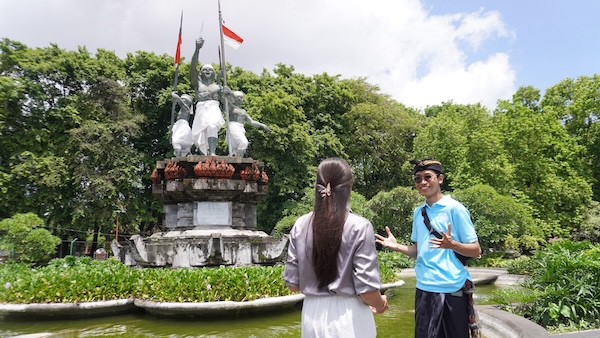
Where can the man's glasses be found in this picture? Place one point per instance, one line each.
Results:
(426, 177)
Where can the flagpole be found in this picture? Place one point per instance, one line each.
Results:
(175, 80)
(224, 72)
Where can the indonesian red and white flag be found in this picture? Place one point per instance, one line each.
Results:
(178, 50)
(231, 38)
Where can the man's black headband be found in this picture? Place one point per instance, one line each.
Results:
(427, 164)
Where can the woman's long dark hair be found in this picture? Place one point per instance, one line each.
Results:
(332, 195)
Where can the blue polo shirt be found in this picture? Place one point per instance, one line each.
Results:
(438, 270)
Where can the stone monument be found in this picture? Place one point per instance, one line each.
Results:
(209, 201)
(209, 205)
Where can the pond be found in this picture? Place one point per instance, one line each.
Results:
(398, 321)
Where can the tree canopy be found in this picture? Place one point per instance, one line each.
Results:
(80, 133)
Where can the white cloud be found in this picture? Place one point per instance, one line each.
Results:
(481, 82)
(418, 58)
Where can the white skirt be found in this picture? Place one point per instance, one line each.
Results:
(337, 316)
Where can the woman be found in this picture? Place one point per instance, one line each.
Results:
(333, 262)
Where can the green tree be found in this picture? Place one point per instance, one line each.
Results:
(465, 140)
(33, 124)
(106, 169)
(307, 118)
(576, 103)
(379, 139)
(288, 155)
(149, 78)
(545, 160)
(24, 237)
(47, 88)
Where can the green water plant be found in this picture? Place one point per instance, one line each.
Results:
(81, 279)
(67, 280)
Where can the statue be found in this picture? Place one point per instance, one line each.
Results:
(235, 129)
(181, 134)
(208, 118)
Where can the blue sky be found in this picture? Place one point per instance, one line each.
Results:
(420, 52)
(553, 39)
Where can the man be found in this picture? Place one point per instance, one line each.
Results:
(208, 119)
(442, 300)
(236, 130)
(181, 138)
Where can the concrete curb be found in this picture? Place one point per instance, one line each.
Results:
(53, 310)
(497, 323)
(579, 334)
(385, 287)
(212, 309)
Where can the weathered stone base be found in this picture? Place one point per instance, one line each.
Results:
(198, 248)
(208, 220)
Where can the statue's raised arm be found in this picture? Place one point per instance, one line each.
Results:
(208, 118)
(194, 75)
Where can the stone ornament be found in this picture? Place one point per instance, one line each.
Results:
(174, 171)
(251, 174)
(214, 169)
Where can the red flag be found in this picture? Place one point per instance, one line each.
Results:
(178, 51)
(231, 38)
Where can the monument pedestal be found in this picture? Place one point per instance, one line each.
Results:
(209, 220)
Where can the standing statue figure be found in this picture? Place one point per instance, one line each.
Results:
(208, 118)
(236, 130)
(181, 134)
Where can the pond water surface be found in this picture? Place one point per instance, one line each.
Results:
(398, 321)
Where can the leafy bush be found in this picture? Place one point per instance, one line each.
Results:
(295, 210)
(590, 228)
(395, 260)
(358, 205)
(491, 259)
(522, 265)
(23, 236)
(496, 216)
(394, 209)
(564, 286)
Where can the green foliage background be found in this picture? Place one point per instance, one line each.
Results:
(80, 134)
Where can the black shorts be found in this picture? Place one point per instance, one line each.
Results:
(441, 315)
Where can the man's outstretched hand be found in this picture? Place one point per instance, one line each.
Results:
(386, 242)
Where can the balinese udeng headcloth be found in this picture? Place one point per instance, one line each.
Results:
(427, 164)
